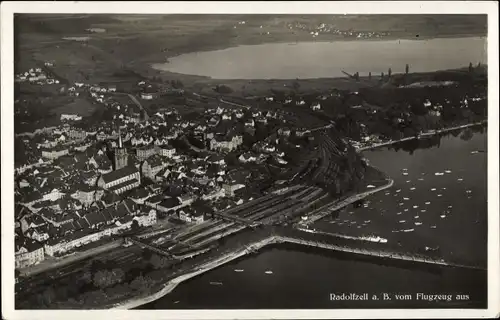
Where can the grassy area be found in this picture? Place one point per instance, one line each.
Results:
(79, 106)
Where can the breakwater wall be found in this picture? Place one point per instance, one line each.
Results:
(280, 239)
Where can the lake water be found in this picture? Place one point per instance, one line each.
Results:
(328, 59)
(304, 278)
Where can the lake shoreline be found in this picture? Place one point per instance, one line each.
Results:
(162, 68)
(424, 135)
(256, 245)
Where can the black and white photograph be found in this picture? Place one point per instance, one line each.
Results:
(163, 158)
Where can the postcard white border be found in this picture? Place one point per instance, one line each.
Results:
(353, 7)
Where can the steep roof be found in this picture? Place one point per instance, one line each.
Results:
(154, 161)
(120, 173)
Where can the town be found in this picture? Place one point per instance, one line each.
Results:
(124, 184)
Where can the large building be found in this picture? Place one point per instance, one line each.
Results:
(145, 152)
(124, 177)
(55, 153)
(152, 166)
(226, 143)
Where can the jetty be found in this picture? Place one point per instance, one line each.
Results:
(375, 253)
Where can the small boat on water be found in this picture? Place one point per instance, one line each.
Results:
(432, 249)
(215, 283)
(238, 270)
(268, 272)
(175, 302)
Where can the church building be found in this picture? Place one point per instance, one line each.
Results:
(123, 177)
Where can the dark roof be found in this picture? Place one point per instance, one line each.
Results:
(20, 211)
(107, 214)
(32, 196)
(110, 198)
(154, 161)
(139, 193)
(85, 187)
(94, 218)
(169, 203)
(120, 173)
(215, 158)
(119, 213)
(156, 199)
(32, 245)
(66, 228)
(38, 220)
(126, 207)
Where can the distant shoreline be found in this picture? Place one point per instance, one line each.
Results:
(149, 63)
(312, 40)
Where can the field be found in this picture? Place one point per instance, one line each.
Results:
(78, 106)
(32, 113)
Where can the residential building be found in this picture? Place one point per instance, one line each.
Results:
(55, 153)
(28, 252)
(147, 96)
(316, 106)
(226, 143)
(77, 134)
(230, 188)
(284, 131)
(247, 157)
(145, 152)
(72, 117)
(166, 151)
(152, 166)
(168, 204)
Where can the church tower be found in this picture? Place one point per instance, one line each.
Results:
(121, 155)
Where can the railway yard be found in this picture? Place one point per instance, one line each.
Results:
(293, 202)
